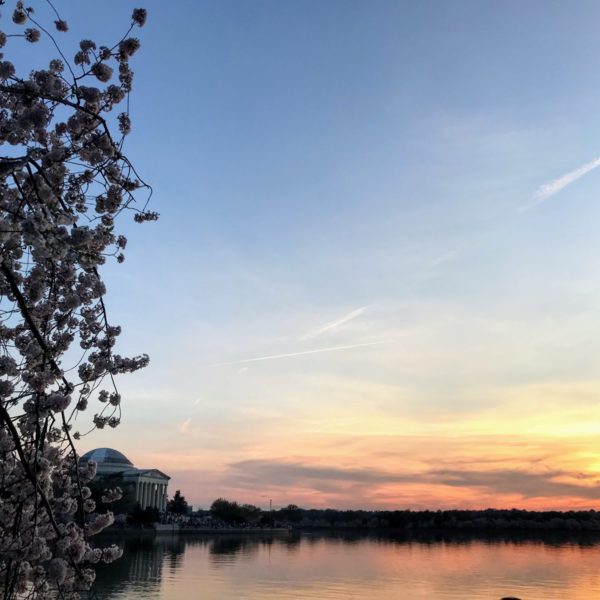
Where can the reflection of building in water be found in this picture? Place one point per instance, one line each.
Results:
(145, 564)
(150, 484)
(140, 568)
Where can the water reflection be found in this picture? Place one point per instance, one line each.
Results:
(142, 564)
(343, 565)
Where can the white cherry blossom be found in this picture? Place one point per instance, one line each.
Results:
(64, 184)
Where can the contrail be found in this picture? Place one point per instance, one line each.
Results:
(290, 354)
(556, 185)
(333, 324)
(442, 259)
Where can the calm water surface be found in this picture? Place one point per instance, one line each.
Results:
(332, 567)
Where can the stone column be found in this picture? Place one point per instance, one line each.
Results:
(144, 494)
(164, 496)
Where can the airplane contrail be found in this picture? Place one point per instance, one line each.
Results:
(290, 354)
(556, 185)
(333, 324)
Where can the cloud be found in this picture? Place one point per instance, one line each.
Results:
(291, 474)
(294, 473)
(302, 353)
(334, 324)
(556, 185)
(523, 482)
(242, 370)
(442, 259)
(184, 426)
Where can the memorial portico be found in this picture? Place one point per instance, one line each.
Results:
(151, 490)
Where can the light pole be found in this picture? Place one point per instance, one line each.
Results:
(270, 510)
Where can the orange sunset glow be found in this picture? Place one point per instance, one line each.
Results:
(534, 447)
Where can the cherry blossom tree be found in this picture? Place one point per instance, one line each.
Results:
(64, 181)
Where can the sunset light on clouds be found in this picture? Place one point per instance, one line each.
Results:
(344, 302)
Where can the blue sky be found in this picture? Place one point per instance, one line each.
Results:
(361, 174)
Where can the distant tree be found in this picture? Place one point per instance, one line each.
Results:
(64, 181)
(250, 513)
(332, 516)
(290, 513)
(178, 504)
(230, 512)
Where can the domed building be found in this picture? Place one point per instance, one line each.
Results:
(150, 484)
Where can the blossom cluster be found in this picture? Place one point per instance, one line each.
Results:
(64, 183)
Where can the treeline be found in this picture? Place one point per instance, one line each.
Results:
(233, 513)
(464, 520)
(407, 520)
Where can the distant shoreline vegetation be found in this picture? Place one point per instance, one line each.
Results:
(457, 520)
(225, 514)
(405, 520)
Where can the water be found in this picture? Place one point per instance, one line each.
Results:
(325, 567)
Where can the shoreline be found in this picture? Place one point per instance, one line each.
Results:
(426, 535)
(174, 530)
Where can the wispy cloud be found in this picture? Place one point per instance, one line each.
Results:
(442, 259)
(333, 324)
(556, 185)
(302, 353)
(184, 426)
(528, 483)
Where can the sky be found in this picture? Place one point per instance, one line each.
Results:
(375, 281)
